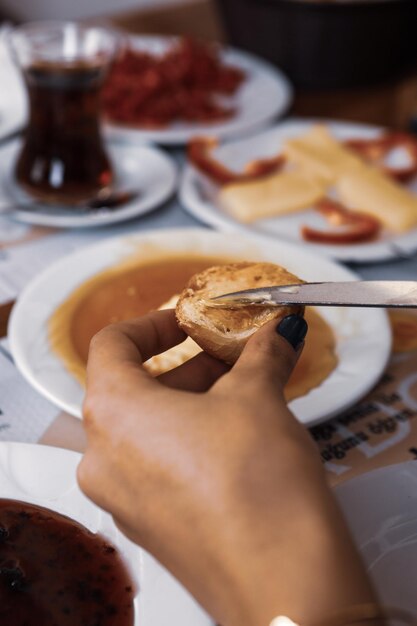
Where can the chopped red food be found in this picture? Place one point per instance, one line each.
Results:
(149, 90)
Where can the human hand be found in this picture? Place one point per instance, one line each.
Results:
(210, 472)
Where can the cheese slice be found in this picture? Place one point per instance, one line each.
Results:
(277, 194)
(320, 154)
(368, 190)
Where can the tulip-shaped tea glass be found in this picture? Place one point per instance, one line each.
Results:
(64, 65)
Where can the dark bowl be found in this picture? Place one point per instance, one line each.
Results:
(333, 44)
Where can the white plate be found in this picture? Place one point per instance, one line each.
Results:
(363, 336)
(263, 96)
(13, 101)
(381, 510)
(267, 143)
(145, 168)
(46, 476)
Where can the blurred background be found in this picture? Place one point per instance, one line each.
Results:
(136, 14)
(77, 9)
(351, 59)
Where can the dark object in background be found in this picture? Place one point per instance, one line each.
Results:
(327, 44)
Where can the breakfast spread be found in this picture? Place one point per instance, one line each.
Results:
(348, 182)
(53, 570)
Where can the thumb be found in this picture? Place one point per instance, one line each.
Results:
(271, 354)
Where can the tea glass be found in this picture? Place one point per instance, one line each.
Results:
(64, 64)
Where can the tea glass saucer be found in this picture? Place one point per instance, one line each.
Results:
(143, 168)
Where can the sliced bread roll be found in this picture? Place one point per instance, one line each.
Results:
(224, 332)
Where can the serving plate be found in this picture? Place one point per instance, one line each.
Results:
(203, 206)
(253, 110)
(363, 336)
(144, 169)
(381, 510)
(46, 476)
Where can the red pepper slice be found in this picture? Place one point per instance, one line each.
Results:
(375, 150)
(199, 152)
(360, 227)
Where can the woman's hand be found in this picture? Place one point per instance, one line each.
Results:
(209, 471)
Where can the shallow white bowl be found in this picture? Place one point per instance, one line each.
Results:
(363, 335)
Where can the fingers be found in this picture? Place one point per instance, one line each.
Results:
(117, 347)
(271, 354)
(198, 374)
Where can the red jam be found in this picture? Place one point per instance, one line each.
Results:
(55, 572)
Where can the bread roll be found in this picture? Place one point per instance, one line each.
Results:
(223, 332)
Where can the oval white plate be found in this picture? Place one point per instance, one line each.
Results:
(264, 95)
(143, 168)
(268, 143)
(363, 336)
(46, 476)
(381, 510)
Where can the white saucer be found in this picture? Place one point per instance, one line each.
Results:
(381, 510)
(363, 335)
(46, 476)
(263, 96)
(235, 154)
(143, 168)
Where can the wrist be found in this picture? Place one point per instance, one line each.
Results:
(289, 556)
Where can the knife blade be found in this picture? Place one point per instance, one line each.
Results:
(372, 293)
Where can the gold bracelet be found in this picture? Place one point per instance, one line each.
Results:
(359, 614)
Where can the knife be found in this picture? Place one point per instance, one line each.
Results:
(372, 293)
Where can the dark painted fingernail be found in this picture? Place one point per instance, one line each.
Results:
(294, 329)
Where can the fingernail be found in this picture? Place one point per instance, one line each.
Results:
(294, 329)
